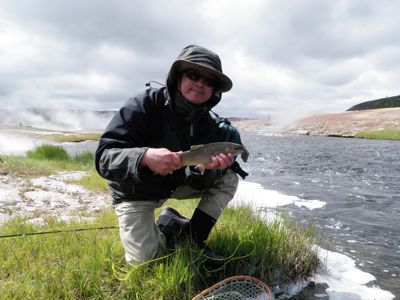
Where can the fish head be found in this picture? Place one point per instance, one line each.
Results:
(237, 149)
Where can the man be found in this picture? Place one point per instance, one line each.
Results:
(137, 154)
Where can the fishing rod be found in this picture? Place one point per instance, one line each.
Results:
(56, 231)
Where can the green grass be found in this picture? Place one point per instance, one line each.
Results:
(78, 137)
(93, 181)
(48, 152)
(384, 134)
(54, 266)
(90, 265)
(45, 160)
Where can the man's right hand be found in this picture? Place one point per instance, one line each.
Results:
(161, 161)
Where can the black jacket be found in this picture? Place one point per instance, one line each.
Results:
(149, 121)
(154, 119)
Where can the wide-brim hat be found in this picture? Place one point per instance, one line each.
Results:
(201, 59)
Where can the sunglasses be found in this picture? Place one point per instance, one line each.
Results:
(196, 76)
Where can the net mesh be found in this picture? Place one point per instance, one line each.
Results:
(239, 288)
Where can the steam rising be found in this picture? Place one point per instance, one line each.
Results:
(11, 144)
(22, 130)
(65, 120)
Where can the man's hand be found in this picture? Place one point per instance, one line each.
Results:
(220, 161)
(161, 161)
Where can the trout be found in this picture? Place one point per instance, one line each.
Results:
(199, 155)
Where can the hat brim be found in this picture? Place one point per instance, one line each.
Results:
(225, 83)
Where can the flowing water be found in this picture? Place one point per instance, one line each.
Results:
(359, 180)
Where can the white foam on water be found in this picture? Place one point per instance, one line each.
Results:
(251, 193)
(345, 281)
(310, 204)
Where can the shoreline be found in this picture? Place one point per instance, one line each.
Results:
(63, 198)
(37, 192)
(369, 124)
(347, 124)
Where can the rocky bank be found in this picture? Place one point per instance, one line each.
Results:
(52, 196)
(348, 123)
(345, 124)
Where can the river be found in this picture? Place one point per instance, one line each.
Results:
(358, 181)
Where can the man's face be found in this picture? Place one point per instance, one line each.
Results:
(197, 86)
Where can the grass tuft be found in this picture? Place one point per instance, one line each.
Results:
(84, 158)
(46, 159)
(384, 134)
(48, 152)
(276, 253)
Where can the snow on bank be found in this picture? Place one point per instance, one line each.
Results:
(48, 196)
(345, 281)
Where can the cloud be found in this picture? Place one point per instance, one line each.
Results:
(284, 57)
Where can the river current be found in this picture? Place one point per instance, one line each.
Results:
(358, 179)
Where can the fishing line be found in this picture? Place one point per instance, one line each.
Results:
(124, 273)
(56, 231)
(232, 256)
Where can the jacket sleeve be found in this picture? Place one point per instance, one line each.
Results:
(230, 133)
(123, 142)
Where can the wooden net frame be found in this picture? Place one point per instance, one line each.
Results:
(235, 288)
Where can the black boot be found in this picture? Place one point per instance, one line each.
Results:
(199, 227)
(171, 223)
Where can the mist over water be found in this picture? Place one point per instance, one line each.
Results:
(11, 144)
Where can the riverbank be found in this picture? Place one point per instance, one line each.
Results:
(381, 123)
(90, 264)
(371, 124)
(341, 276)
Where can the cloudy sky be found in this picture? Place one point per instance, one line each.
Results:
(287, 58)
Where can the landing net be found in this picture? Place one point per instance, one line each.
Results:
(237, 288)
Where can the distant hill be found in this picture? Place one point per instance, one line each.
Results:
(387, 102)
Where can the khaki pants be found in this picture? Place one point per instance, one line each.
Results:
(140, 236)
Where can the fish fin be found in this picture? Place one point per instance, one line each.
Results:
(194, 147)
(201, 169)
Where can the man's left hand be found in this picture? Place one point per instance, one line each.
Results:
(220, 161)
